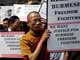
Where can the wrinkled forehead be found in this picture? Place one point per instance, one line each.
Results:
(34, 16)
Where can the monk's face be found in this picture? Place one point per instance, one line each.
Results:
(35, 22)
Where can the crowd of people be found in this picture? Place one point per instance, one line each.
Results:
(13, 24)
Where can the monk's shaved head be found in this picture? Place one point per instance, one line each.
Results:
(32, 14)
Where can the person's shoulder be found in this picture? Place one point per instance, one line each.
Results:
(25, 36)
(22, 37)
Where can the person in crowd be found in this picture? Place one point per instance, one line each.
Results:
(2, 28)
(6, 23)
(33, 43)
(14, 23)
(24, 27)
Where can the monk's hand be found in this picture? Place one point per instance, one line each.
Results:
(45, 35)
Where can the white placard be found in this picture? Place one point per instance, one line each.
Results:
(64, 24)
(9, 43)
(64, 37)
(22, 10)
(63, 11)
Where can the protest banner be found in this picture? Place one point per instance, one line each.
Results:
(9, 44)
(64, 25)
